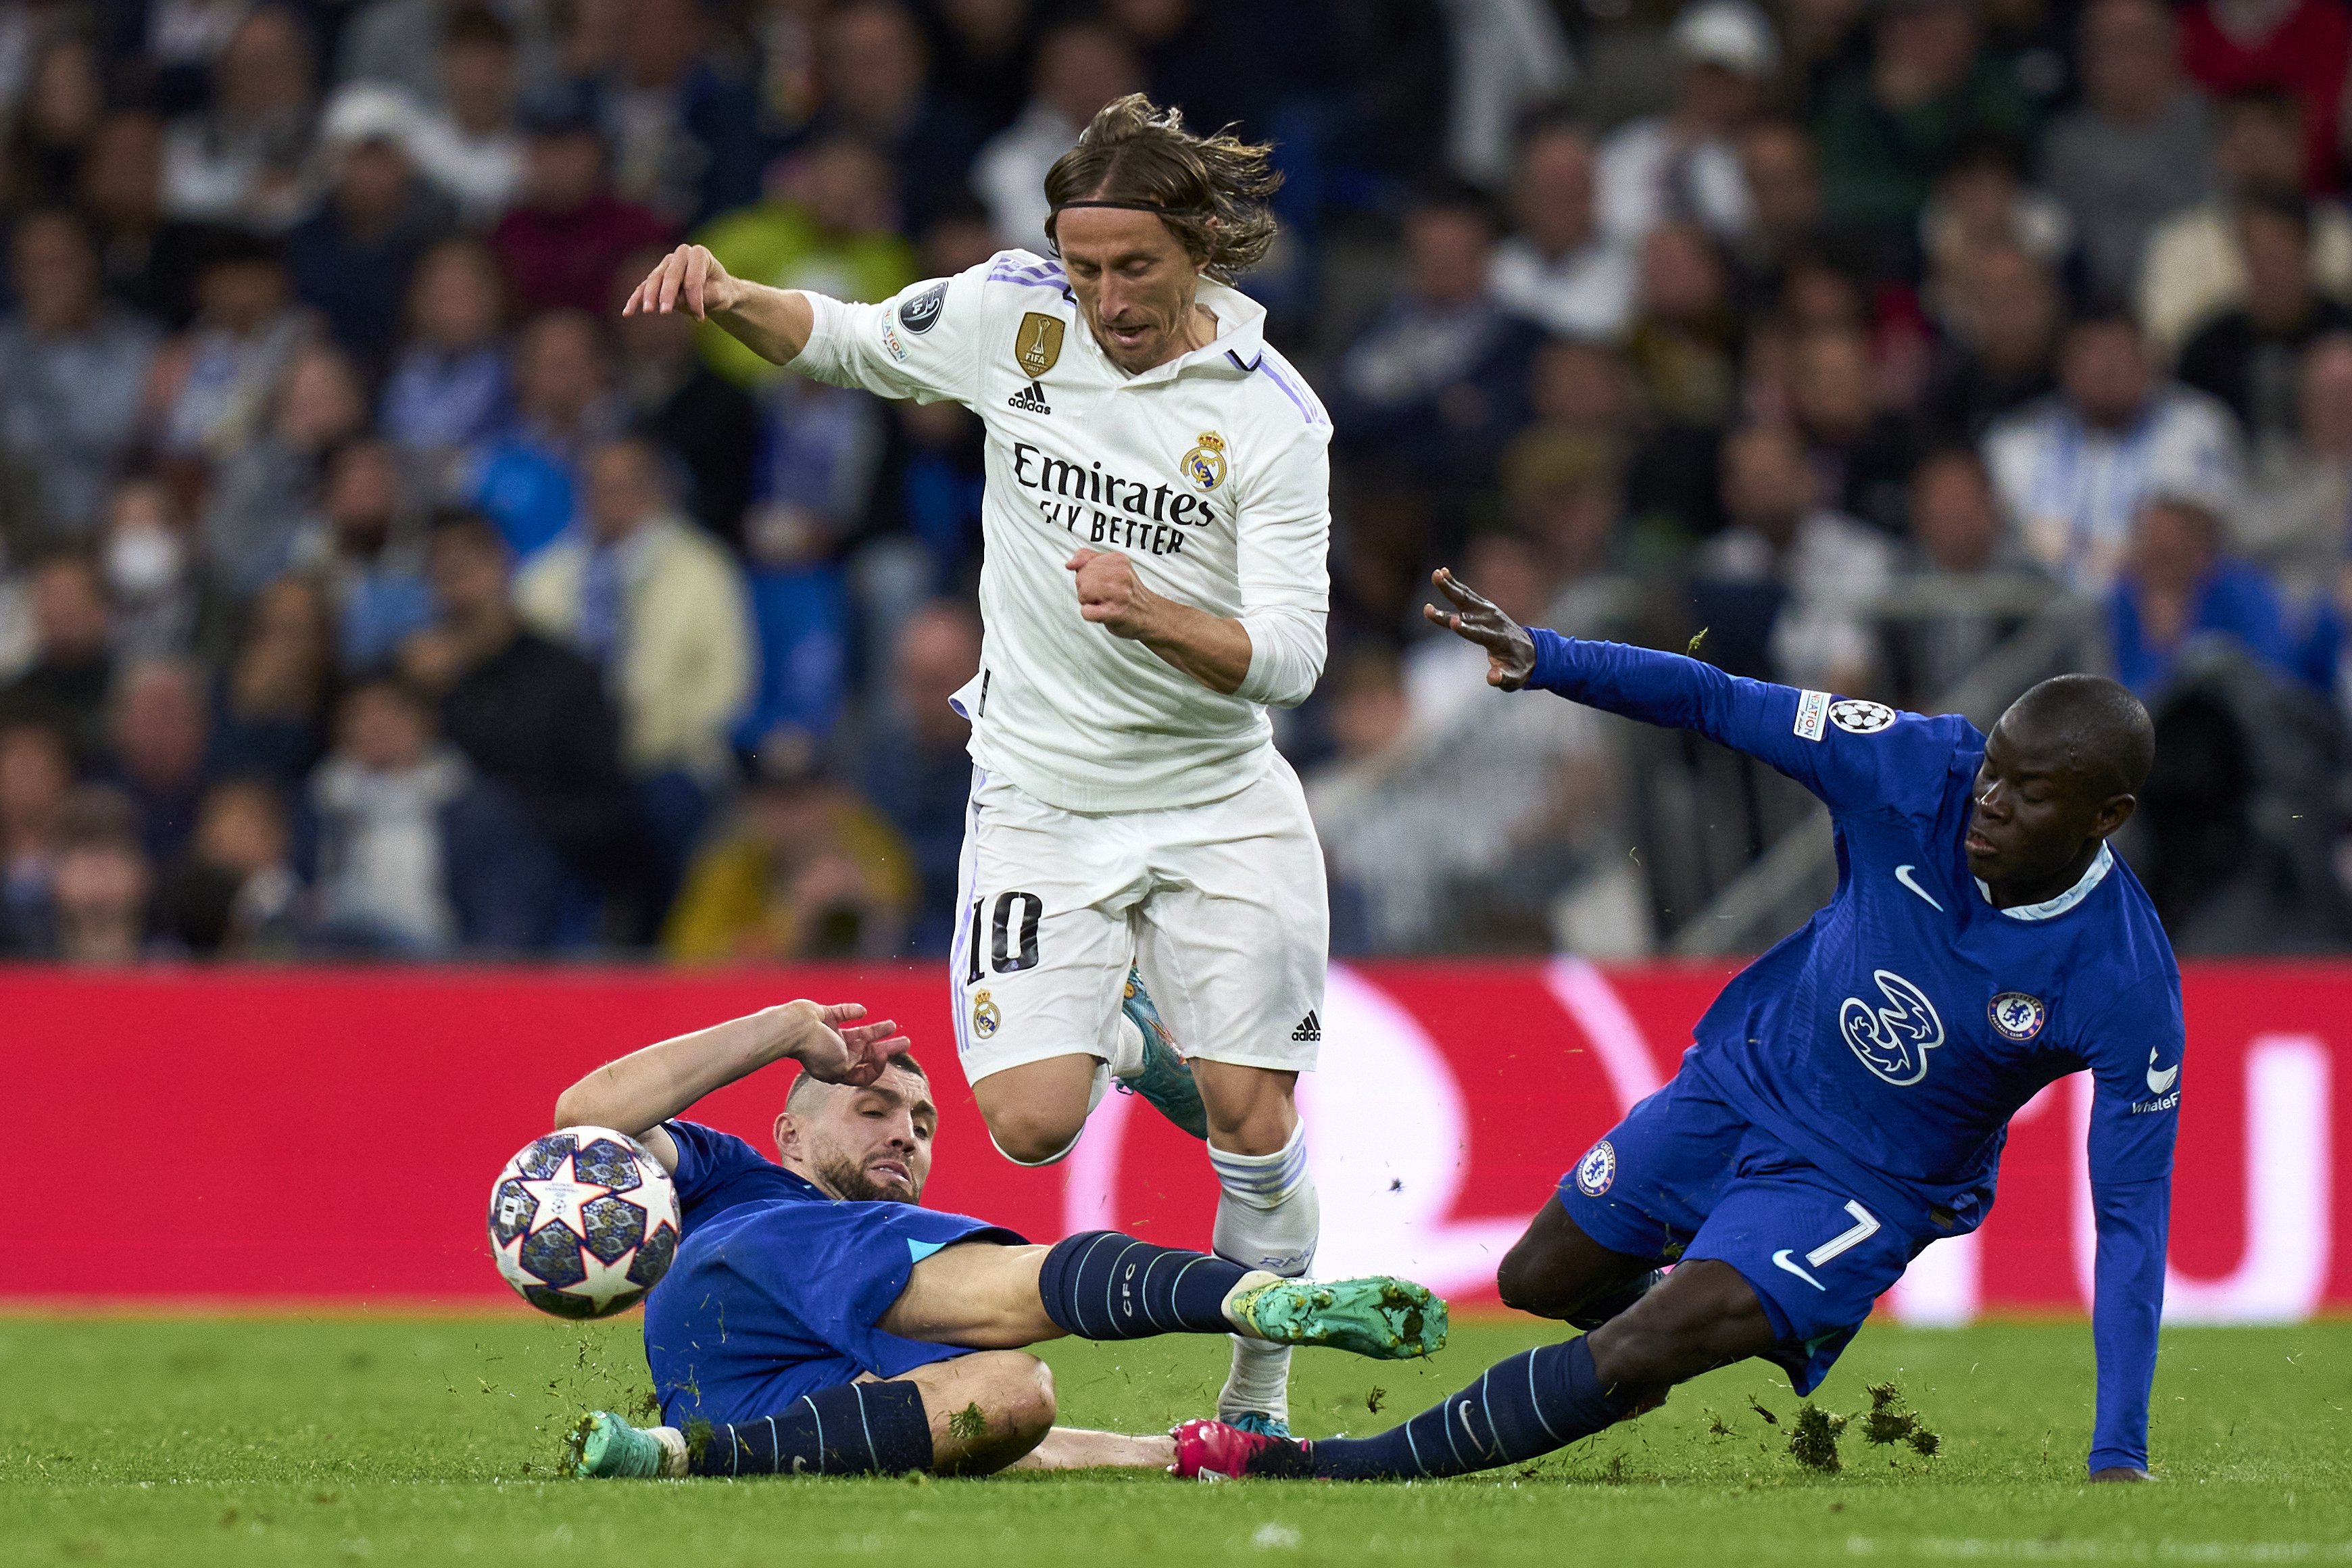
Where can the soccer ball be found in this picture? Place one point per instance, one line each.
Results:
(584, 1222)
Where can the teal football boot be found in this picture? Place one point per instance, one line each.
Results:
(1166, 1080)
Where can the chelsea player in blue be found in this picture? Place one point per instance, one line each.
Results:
(1845, 1100)
(818, 1319)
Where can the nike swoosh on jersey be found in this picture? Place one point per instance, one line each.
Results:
(1902, 875)
(1780, 1260)
(2157, 1082)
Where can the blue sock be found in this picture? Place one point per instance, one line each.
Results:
(1104, 1286)
(1542, 1399)
(856, 1429)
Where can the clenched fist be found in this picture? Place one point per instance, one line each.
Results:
(1110, 594)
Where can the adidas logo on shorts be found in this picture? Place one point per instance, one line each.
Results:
(1311, 1030)
(1030, 399)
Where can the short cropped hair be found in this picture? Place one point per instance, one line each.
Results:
(807, 1082)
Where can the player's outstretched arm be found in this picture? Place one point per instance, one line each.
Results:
(774, 323)
(2135, 1113)
(645, 1089)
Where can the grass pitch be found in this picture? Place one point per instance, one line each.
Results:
(338, 1440)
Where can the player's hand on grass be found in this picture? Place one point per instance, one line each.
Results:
(2118, 1473)
(833, 1045)
(1109, 593)
(1510, 652)
(689, 279)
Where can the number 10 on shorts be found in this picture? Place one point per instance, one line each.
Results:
(1009, 954)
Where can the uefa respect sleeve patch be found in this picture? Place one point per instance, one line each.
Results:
(1812, 714)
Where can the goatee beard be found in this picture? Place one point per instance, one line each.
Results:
(848, 1178)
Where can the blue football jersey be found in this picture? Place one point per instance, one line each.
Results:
(1890, 1040)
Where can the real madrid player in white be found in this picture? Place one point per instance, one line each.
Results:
(1157, 521)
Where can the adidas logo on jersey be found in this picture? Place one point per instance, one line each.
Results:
(1030, 399)
(1311, 1030)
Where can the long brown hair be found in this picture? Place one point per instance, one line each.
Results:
(1213, 189)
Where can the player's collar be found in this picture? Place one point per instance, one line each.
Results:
(2050, 909)
(1239, 345)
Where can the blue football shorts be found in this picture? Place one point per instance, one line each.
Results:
(1686, 1176)
(776, 1299)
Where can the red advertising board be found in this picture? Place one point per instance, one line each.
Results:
(251, 1136)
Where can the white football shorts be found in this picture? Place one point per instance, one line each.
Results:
(1221, 905)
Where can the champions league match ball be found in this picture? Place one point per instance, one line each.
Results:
(584, 1222)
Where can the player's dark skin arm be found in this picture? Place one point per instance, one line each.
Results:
(2042, 810)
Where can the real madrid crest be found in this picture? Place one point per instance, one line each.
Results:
(1204, 465)
(985, 1015)
(1037, 344)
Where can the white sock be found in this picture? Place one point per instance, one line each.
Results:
(1094, 1092)
(1126, 1047)
(673, 1443)
(1267, 1217)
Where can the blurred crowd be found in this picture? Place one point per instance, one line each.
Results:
(370, 588)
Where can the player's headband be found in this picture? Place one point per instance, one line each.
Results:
(1140, 207)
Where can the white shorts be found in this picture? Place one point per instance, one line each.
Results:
(1221, 905)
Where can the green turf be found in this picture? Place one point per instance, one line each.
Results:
(340, 1440)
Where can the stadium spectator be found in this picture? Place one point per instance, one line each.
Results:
(151, 571)
(1956, 532)
(1081, 66)
(45, 148)
(689, 409)
(1817, 569)
(562, 244)
(217, 376)
(2248, 357)
(417, 856)
(2139, 151)
(2193, 269)
(1685, 345)
(102, 890)
(78, 368)
(244, 159)
(470, 146)
(67, 683)
(531, 716)
(352, 261)
(683, 129)
(2294, 524)
(826, 220)
(1559, 267)
(2072, 468)
(658, 606)
(450, 388)
(1862, 456)
(147, 261)
(1686, 164)
(1437, 382)
(158, 731)
(363, 548)
(1884, 132)
(879, 94)
(1504, 59)
(2178, 586)
(259, 493)
(35, 776)
(2000, 350)
(811, 872)
(408, 44)
(915, 770)
(526, 477)
(2296, 48)
(278, 692)
(980, 55)
(1981, 200)
(1784, 197)
(233, 893)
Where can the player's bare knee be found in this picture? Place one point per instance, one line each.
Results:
(1033, 1137)
(1016, 1397)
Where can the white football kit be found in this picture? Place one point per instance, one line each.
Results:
(1121, 812)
